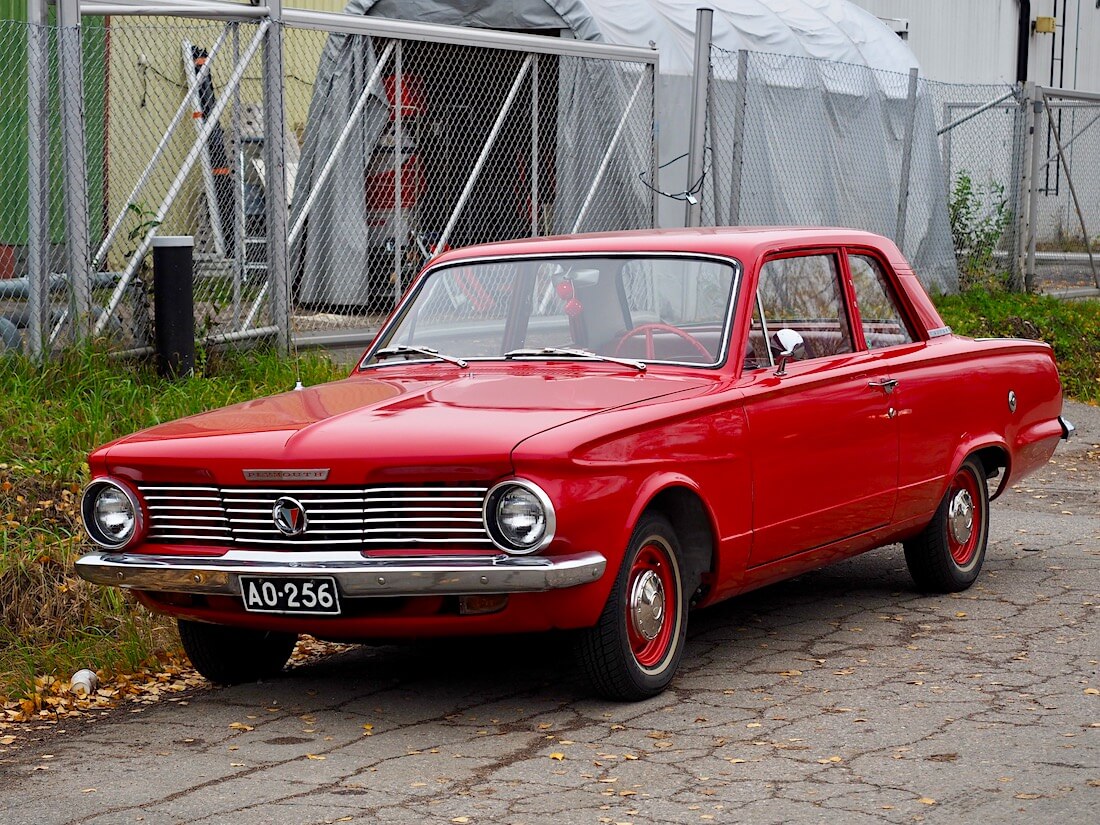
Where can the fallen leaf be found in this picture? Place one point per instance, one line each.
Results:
(926, 800)
(1092, 692)
(460, 820)
(240, 726)
(88, 790)
(557, 757)
(314, 756)
(1028, 796)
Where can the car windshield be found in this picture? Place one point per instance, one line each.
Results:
(656, 309)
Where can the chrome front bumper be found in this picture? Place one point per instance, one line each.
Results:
(355, 575)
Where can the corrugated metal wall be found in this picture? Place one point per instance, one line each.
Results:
(975, 41)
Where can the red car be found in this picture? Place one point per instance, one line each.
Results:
(592, 433)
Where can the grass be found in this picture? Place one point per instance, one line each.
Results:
(1072, 328)
(52, 622)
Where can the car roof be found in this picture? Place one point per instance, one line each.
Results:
(743, 242)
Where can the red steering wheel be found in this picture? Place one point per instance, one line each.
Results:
(647, 331)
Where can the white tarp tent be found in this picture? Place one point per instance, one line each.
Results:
(809, 109)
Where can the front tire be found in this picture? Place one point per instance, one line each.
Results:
(634, 650)
(947, 555)
(232, 655)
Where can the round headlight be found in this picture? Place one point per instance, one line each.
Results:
(519, 517)
(112, 515)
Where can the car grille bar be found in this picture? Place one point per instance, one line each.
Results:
(439, 516)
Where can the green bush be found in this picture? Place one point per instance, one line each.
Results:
(1072, 328)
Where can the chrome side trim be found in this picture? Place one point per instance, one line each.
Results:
(355, 575)
(1067, 428)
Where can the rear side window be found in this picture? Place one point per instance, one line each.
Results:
(882, 318)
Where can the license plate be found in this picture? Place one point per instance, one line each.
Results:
(286, 595)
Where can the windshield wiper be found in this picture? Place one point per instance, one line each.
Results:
(386, 352)
(575, 353)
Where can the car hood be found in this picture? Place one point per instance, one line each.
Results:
(371, 428)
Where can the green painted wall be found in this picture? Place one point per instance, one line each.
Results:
(13, 125)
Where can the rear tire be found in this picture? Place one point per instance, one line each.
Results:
(634, 650)
(947, 555)
(232, 655)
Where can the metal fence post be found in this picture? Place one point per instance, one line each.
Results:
(654, 141)
(1037, 106)
(906, 158)
(75, 162)
(740, 101)
(278, 262)
(1019, 181)
(38, 178)
(399, 221)
(700, 85)
(534, 148)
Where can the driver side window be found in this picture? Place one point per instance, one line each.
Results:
(803, 293)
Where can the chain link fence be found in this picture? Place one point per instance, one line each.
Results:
(982, 147)
(394, 149)
(485, 145)
(397, 147)
(943, 169)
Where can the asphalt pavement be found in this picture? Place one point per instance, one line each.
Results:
(841, 695)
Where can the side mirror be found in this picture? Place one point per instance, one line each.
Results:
(789, 343)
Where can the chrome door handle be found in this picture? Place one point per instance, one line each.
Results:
(886, 385)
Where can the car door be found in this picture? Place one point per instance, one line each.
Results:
(823, 434)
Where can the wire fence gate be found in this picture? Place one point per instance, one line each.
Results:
(980, 185)
(329, 156)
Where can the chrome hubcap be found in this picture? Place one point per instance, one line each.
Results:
(647, 605)
(960, 516)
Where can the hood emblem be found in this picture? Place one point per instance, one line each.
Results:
(286, 475)
(289, 516)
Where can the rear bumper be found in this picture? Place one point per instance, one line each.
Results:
(1067, 428)
(355, 575)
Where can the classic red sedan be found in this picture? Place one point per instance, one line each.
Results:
(592, 433)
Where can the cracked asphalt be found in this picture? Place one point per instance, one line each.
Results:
(841, 694)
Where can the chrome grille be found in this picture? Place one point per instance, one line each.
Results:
(395, 516)
(186, 514)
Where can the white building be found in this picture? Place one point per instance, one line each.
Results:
(976, 41)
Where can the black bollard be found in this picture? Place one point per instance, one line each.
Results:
(174, 304)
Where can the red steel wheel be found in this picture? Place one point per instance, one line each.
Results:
(947, 555)
(652, 589)
(963, 518)
(635, 648)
